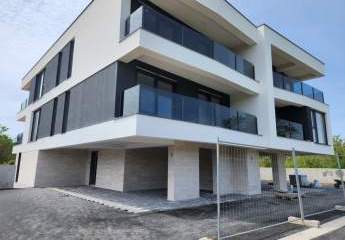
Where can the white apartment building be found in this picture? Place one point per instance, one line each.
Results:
(136, 93)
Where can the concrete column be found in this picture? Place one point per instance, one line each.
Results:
(279, 172)
(183, 172)
(239, 172)
(27, 170)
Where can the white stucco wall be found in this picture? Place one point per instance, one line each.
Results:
(183, 171)
(27, 171)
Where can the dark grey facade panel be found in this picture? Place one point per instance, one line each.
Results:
(126, 78)
(44, 127)
(65, 62)
(32, 90)
(93, 100)
(51, 74)
(59, 114)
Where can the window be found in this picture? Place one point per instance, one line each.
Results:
(321, 131)
(59, 69)
(70, 62)
(206, 109)
(65, 112)
(34, 127)
(39, 85)
(135, 4)
(145, 79)
(319, 127)
(164, 99)
(158, 103)
(52, 128)
(18, 166)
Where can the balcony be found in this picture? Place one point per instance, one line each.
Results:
(283, 82)
(23, 105)
(157, 23)
(163, 104)
(19, 139)
(290, 129)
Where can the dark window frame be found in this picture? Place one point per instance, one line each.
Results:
(34, 126)
(52, 126)
(39, 87)
(156, 79)
(71, 57)
(58, 70)
(65, 112)
(18, 166)
(315, 127)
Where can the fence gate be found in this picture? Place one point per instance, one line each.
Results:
(258, 189)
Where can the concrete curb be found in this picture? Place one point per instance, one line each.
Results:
(312, 233)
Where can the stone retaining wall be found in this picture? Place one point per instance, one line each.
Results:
(7, 174)
(323, 175)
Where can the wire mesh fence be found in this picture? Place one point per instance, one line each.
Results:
(321, 182)
(257, 189)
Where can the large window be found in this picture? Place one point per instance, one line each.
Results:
(206, 107)
(34, 126)
(39, 85)
(319, 127)
(163, 100)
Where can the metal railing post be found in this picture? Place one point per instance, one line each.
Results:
(341, 174)
(218, 193)
(298, 185)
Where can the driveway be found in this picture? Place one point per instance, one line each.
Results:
(46, 214)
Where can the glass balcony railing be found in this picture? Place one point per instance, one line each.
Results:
(19, 139)
(159, 103)
(287, 83)
(151, 20)
(290, 129)
(24, 105)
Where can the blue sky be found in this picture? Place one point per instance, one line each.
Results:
(29, 27)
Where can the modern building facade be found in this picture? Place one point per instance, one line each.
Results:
(136, 93)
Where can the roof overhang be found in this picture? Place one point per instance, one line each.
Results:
(217, 19)
(291, 59)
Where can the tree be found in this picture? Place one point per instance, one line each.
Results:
(6, 145)
(316, 161)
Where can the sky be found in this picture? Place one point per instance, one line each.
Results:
(29, 27)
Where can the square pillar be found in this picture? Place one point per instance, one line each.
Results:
(183, 172)
(279, 172)
(239, 172)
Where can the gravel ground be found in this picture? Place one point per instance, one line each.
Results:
(46, 214)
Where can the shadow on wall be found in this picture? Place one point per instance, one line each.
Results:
(7, 175)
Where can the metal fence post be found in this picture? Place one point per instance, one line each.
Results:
(218, 192)
(298, 185)
(341, 174)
